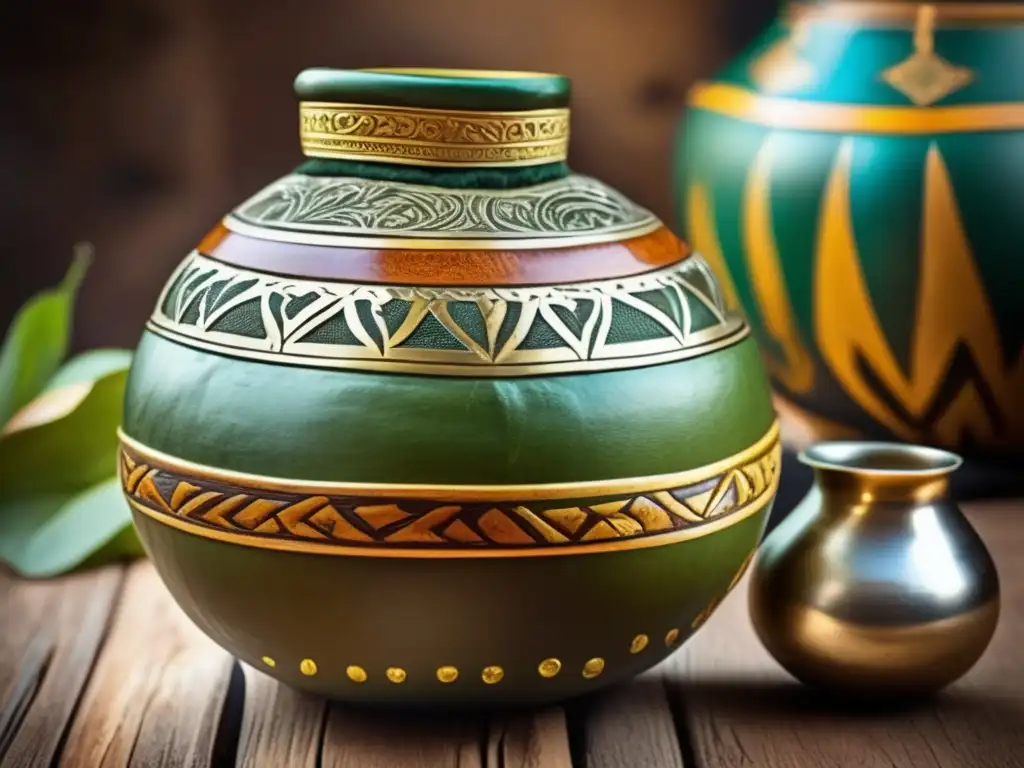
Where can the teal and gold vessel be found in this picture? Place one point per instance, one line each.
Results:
(433, 420)
(856, 180)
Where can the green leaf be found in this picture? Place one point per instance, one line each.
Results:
(90, 366)
(37, 341)
(65, 454)
(46, 535)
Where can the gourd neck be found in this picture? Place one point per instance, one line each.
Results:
(453, 178)
(448, 128)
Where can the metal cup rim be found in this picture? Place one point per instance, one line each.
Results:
(855, 457)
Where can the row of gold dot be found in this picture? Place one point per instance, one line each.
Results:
(490, 674)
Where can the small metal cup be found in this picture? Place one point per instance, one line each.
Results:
(876, 584)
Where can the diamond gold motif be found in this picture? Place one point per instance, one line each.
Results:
(925, 77)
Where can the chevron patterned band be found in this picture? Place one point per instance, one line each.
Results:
(453, 521)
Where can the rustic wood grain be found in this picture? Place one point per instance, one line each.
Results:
(280, 726)
(51, 631)
(156, 697)
(359, 739)
(744, 710)
(537, 740)
(632, 726)
(158, 688)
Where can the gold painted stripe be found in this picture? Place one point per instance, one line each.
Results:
(904, 14)
(383, 151)
(743, 104)
(739, 332)
(612, 545)
(306, 237)
(433, 137)
(448, 493)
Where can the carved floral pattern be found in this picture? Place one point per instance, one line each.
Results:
(347, 206)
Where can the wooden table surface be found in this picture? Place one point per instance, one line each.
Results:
(101, 669)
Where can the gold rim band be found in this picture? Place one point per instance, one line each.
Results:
(439, 492)
(793, 114)
(904, 14)
(433, 137)
(719, 495)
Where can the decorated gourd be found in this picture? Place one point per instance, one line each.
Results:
(434, 420)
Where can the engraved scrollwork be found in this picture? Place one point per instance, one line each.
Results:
(343, 206)
(463, 130)
(441, 137)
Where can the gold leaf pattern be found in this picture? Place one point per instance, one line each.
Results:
(600, 325)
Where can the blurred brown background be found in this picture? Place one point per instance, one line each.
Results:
(134, 124)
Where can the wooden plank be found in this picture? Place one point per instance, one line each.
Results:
(631, 726)
(402, 740)
(538, 740)
(280, 726)
(51, 633)
(360, 739)
(743, 709)
(158, 689)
